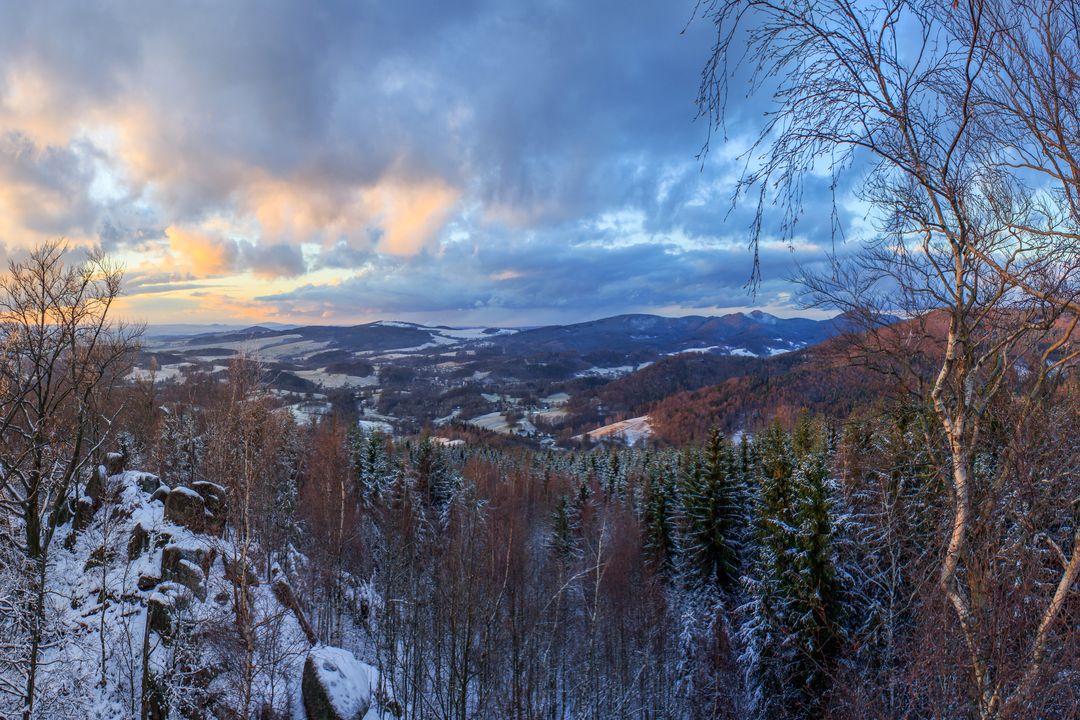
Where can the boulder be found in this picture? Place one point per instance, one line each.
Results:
(147, 482)
(173, 553)
(139, 541)
(84, 512)
(114, 463)
(190, 576)
(186, 507)
(163, 605)
(148, 582)
(187, 566)
(337, 686)
(212, 494)
(95, 484)
(235, 575)
(161, 493)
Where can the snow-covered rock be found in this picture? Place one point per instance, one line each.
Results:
(337, 686)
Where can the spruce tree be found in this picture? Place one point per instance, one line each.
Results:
(658, 521)
(794, 626)
(564, 525)
(713, 516)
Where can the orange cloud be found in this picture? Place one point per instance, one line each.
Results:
(413, 215)
(409, 215)
(203, 255)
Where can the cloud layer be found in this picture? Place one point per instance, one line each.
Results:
(334, 163)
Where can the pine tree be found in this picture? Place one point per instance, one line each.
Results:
(564, 526)
(713, 502)
(434, 477)
(658, 520)
(374, 466)
(794, 626)
(181, 448)
(815, 601)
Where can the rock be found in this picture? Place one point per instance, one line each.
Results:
(337, 686)
(161, 493)
(159, 614)
(190, 576)
(233, 572)
(187, 566)
(95, 484)
(138, 542)
(147, 482)
(174, 553)
(186, 507)
(84, 512)
(148, 582)
(100, 556)
(114, 463)
(212, 494)
(284, 593)
(163, 604)
(162, 539)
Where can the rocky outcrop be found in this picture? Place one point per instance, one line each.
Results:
(138, 541)
(186, 507)
(115, 463)
(188, 566)
(212, 494)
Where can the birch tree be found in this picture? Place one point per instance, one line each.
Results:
(958, 125)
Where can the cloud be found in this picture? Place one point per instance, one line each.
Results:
(203, 255)
(424, 156)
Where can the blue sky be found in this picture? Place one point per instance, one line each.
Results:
(472, 162)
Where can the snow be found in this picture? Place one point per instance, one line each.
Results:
(305, 412)
(337, 380)
(370, 426)
(448, 418)
(395, 324)
(710, 348)
(741, 352)
(551, 416)
(608, 372)
(188, 492)
(349, 683)
(496, 422)
(634, 431)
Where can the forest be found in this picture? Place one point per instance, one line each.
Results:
(192, 551)
(885, 525)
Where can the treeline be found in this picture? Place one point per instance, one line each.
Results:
(786, 576)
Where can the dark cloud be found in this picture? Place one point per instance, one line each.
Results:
(537, 127)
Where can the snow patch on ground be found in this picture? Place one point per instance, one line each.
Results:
(337, 380)
(371, 426)
(634, 431)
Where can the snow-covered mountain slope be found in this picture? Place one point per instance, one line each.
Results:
(142, 598)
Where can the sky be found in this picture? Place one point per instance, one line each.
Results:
(471, 162)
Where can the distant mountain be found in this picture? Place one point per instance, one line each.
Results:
(756, 334)
(409, 374)
(187, 329)
(615, 341)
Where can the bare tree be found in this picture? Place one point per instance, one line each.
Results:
(960, 122)
(60, 355)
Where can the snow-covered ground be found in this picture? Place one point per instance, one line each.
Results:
(634, 431)
(496, 422)
(337, 380)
